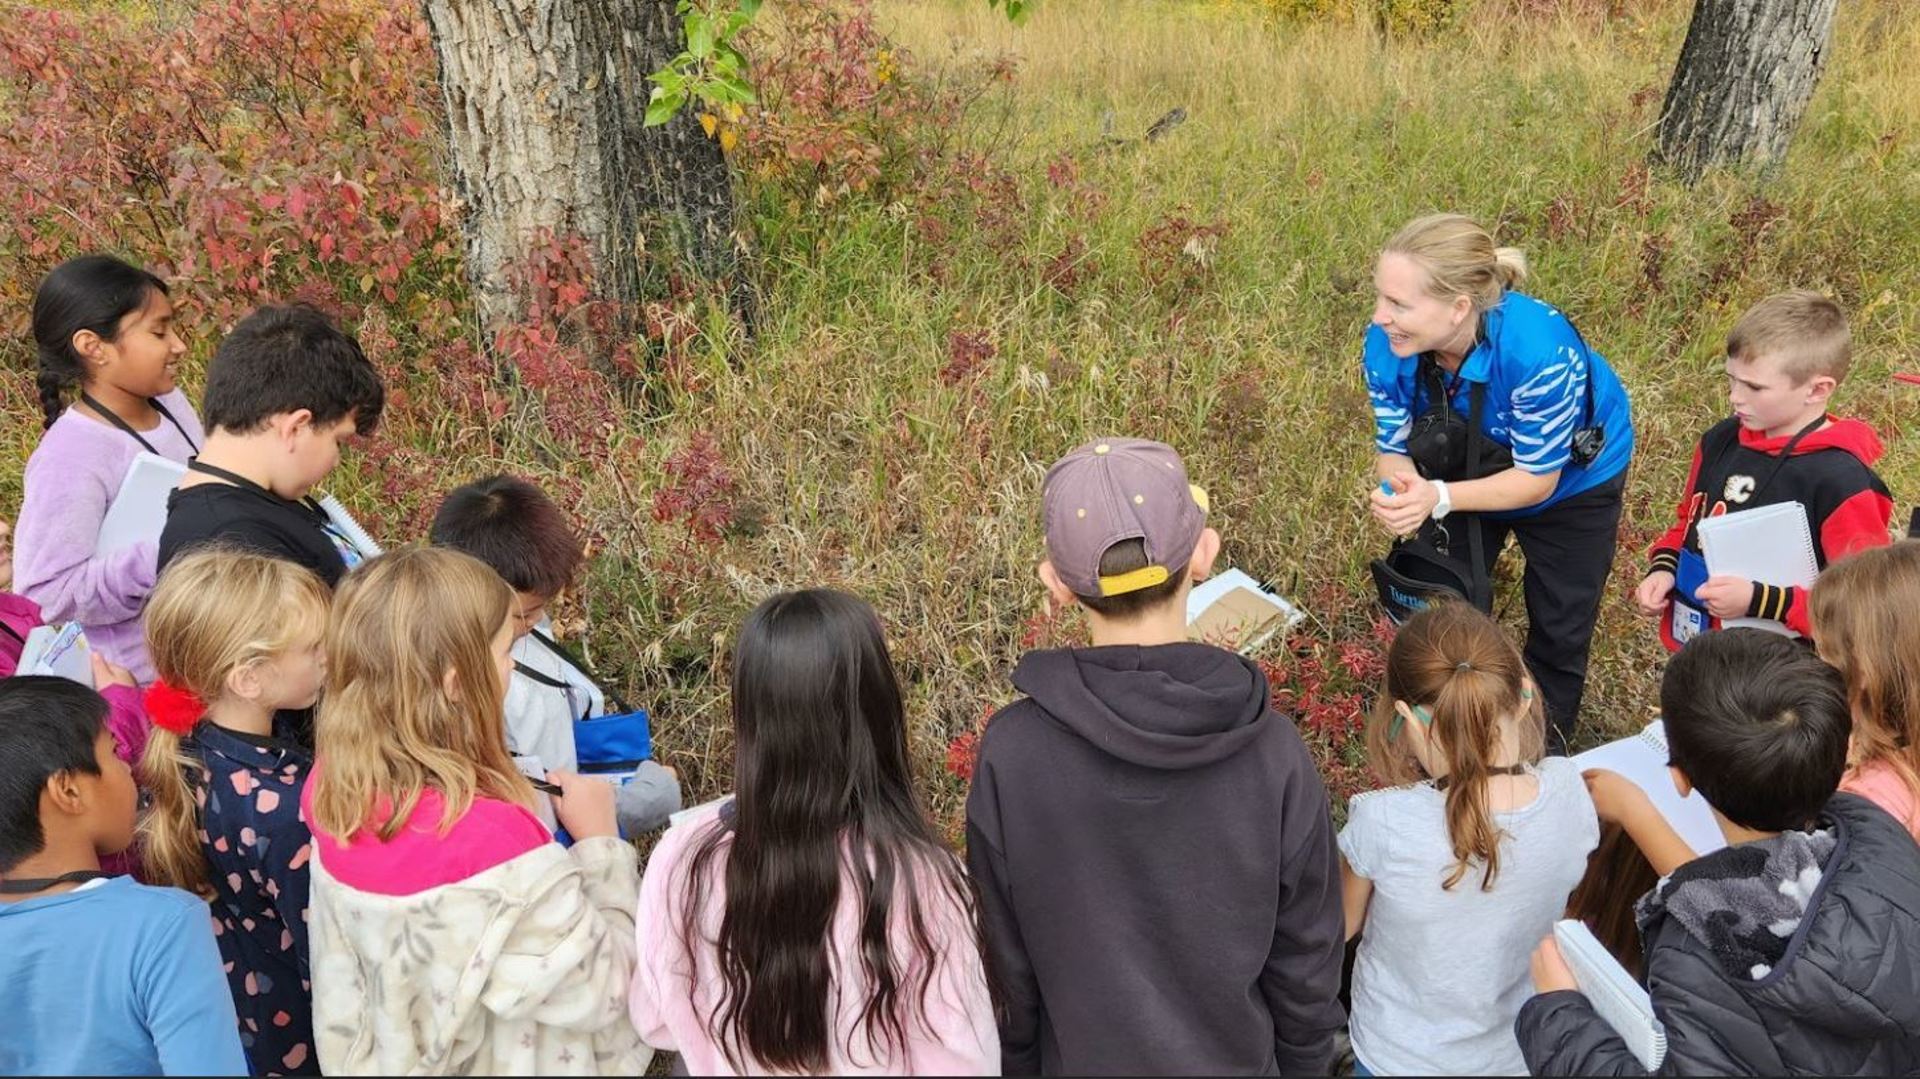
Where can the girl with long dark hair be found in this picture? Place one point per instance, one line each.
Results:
(814, 923)
(108, 357)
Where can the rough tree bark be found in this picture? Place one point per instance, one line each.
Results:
(545, 102)
(1745, 75)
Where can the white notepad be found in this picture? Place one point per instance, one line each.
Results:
(1231, 608)
(1772, 544)
(1614, 993)
(1642, 759)
(139, 511)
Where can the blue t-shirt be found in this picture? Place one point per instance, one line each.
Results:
(1535, 368)
(114, 979)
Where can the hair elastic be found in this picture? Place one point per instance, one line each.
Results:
(173, 709)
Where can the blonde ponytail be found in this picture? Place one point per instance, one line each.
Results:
(1460, 259)
(1510, 265)
(169, 832)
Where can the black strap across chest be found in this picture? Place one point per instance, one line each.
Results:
(578, 663)
(1731, 441)
(245, 484)
(119, 421)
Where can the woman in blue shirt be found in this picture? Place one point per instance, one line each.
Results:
(1556, 433)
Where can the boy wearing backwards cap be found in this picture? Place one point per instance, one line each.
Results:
(1159, 888)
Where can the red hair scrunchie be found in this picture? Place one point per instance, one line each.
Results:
(173, 709)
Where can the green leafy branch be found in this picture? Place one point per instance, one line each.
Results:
(710, 70)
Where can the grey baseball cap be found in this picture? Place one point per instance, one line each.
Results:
(1118, 489)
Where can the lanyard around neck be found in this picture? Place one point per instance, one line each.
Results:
(119, 421)
(30, 885)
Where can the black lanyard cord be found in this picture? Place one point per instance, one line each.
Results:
(579, 664)
(245, 484)
(30, 885)
(117, 420)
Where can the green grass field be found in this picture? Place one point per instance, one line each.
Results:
(1307, 146)
(1208, 289)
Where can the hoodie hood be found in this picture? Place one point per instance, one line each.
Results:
(1822, 924)
(1169, 706)
(1856, 437)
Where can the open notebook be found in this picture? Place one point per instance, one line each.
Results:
(1614, 993)
(1230, 609)
(1642, 758)
(1772, 544)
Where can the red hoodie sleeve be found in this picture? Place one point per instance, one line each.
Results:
(1665, 552)
(1856, 525)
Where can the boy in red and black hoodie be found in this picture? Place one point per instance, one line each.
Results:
(1785, 357)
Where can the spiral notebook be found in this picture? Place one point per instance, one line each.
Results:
(1772, 544)
(1642, 760)
(349, 529)
(1614, 993)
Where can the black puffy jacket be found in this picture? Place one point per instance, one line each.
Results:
(1844, 1000)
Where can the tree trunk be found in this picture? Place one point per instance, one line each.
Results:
(545, 102)
(1746, 73)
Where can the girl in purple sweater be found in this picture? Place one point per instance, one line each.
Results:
(105, 330)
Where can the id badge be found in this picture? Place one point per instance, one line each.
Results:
(349, 554)
(1688, 621)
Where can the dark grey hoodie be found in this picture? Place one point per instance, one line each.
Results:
(1159, 885)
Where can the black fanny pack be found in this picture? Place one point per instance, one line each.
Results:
(1440, 438)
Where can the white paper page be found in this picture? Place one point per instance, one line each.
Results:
(1642, 759)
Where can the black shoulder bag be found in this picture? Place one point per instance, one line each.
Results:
(1428, 565)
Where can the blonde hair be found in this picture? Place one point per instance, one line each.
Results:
(1458, 664)
(1862, 609)
(214, 612)
(1460, 259)
(1803, 330)
(388, 728)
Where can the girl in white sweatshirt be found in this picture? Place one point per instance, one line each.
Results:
(449, 933)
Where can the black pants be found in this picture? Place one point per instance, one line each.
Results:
(1569, 548)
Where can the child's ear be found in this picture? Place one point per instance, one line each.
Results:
(1205, 552)
(1056, 587)
(244, 682)
(1680, 781)
(1820, 389)
(450, 683)
(87, 345)
(66, 793)
(289, 424)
